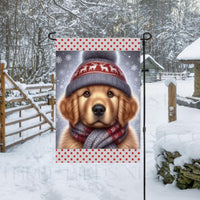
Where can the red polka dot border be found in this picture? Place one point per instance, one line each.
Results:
(98, 44)
(97, 155)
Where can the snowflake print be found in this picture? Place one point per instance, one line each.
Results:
(58, 59)
(68, 57)
(134, 68)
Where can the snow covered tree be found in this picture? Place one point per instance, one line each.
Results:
(25, 26)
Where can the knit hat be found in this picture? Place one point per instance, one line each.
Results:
(98, 68)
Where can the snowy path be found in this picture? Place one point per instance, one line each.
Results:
(29, 171)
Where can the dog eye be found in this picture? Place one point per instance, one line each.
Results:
(86, 94)
(110, 94)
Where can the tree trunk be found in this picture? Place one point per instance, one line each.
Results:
(197, 80)
(8, 42)
(16, 40)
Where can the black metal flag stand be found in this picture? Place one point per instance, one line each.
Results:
(146, 36)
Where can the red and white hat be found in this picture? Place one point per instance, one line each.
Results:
(98, 68)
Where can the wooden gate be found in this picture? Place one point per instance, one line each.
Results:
(24, 110)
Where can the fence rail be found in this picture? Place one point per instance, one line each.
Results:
(22, 119)
(175, 75)
(18, 108)
(30, 99)
(28, 138)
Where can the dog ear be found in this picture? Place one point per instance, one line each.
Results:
(69, 109)
(128, 107)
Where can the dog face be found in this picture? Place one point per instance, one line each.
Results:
(98, 106)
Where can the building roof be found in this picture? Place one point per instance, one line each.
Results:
(149, 57)
(191, 53)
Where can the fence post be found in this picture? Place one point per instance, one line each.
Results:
(172, 102)
(40, 108)
(2, 110)
(52, 100)
(20, 123)
(20, 112)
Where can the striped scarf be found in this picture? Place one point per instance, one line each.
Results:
(99, 138)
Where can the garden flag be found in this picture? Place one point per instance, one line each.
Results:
(98, 100)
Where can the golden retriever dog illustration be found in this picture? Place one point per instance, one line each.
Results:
(98, 106)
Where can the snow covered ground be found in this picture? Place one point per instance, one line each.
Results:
(29, 171)
(157, 103)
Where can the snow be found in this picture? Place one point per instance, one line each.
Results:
(7, 99)
(151, 58)
(157, 112)
(168, 81)
(191, 52)
(190, 66)
(183, 134)
(185, 88)
(41, 95)
(29, 171)
(16, 108)
(182, 137)
(195, 98)
(3, 62)
(38, 85)
(8, 84)
(185, 99)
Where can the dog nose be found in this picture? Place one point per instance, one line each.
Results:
(98, 110)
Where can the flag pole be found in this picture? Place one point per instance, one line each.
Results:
(146, 36)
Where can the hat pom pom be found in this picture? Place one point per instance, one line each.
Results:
(100, 55)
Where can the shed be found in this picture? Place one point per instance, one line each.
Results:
(191, 55)
(154, 68)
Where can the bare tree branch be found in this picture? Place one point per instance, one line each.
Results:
(93, 4)
(66, 9)
(84, 24)
(45, 11)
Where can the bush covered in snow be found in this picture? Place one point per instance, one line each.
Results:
(187, 176)
(178, 154)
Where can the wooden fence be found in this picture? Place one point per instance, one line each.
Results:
(174, 75)
(24, 110)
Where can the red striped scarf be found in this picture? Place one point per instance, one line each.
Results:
(99, 138)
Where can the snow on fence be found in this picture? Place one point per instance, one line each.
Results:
(26, 110)
(174, 75)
